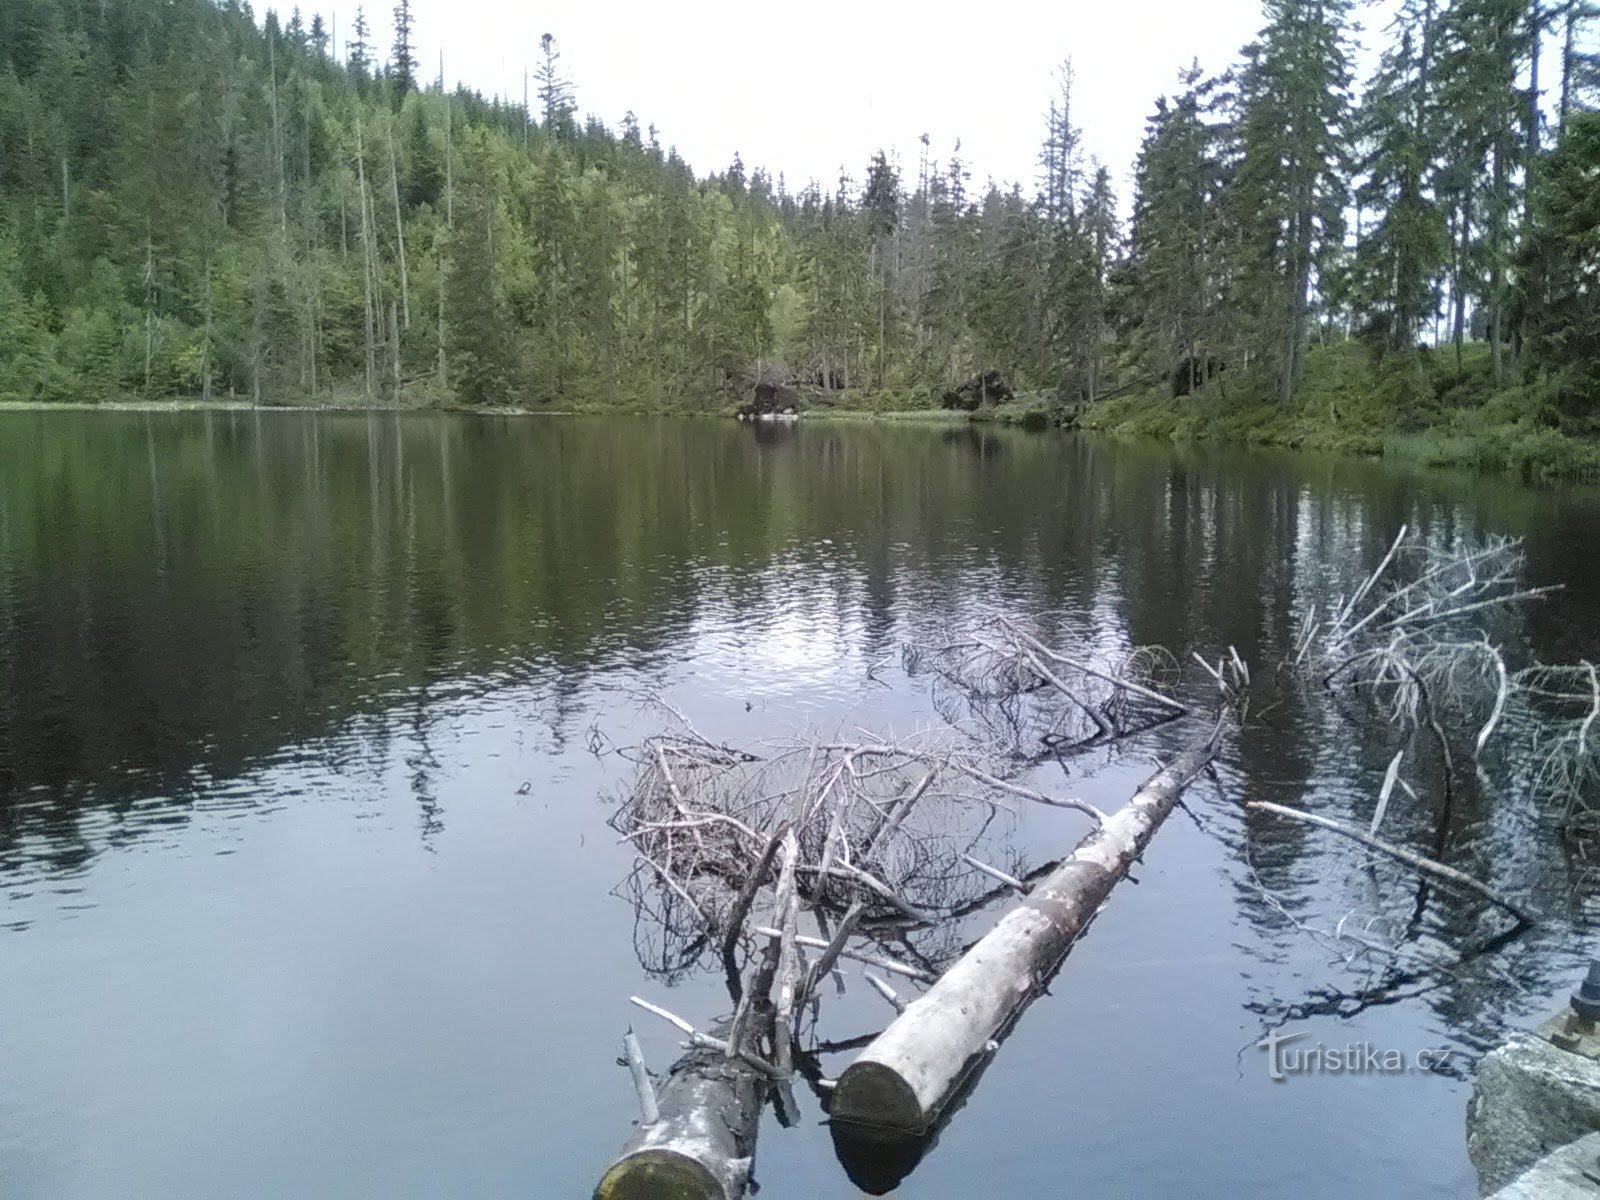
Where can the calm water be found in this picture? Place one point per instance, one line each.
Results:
(305, 882)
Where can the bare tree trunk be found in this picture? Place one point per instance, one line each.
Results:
(149, 312)
(399, 231)
(1497, 252)
(394, 352)
(444, 379)
(367, 267)
(205, 345)
(1566, 66)
(277, 142)
(903, 1079)
(1458, 291)
(1531, 168)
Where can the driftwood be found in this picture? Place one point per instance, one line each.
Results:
(903, 1079)
(1412, 859)
(701, 1144)
(1023, 698)
(881, 844)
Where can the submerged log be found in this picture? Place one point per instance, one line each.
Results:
(701, 1143)
(906, 1076)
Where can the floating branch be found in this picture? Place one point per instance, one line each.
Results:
(1566, 739)
(1028, 700)
(876, 823)
(904, 1078)
(1427, 866)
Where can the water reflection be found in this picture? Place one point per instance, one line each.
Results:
(251, 634)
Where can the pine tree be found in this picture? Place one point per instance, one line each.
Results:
(555, 90)
(1293, 115)
(1175, 256)
(1399, 259)
(880, 208)
(1483, 45)
(482, 357)
(402, 58)
(1560, 261)
(360, 47)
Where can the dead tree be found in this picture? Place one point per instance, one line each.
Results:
(700, 1141)
(882, 844)
(903, 1079)
(1032, 699)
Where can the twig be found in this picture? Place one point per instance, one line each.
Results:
(1025, 793)
(884, 990)
(861, 956)
(747, 896)
(1126, 685)
(995, 873)
(705, 1040)
(819, 969)
(649, 1112)
(1389, 778)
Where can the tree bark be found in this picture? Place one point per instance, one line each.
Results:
(701, 1145)
(399, 232)
(368, 268)
(904, 1078)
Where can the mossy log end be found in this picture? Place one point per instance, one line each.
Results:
(904, 1078)
(701, 1147)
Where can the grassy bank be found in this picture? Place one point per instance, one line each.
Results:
(1430, 411)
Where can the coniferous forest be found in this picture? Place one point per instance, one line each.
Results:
(198, 203)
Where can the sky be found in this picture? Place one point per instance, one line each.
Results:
(806, 89)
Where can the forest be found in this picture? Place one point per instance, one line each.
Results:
(198, 204)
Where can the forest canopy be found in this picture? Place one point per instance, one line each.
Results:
(195, 203)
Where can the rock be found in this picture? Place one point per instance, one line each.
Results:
(1570, 1173)
(1530, 1095)
(990, 387)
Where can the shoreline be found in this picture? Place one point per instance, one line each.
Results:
(1487, 443)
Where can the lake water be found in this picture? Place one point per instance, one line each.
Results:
(306, 886)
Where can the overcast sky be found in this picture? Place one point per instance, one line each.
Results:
(804, 89)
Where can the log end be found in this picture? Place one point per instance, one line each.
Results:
(660, 1174)
(875, 1096)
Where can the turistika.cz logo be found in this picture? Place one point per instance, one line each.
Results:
(1353, 1058)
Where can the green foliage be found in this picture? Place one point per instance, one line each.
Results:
(197, 206)
(1561, 266)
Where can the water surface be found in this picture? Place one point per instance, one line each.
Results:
(305, 881)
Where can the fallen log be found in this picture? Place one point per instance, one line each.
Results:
(903, 1079)
(701, 1144)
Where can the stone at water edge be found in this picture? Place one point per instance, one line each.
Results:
(1530, 1096)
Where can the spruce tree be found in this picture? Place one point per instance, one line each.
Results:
(1401, 255)
(1293, 117)
(555, 90)
(403, 58)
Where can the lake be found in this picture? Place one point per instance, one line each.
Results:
(308, 739)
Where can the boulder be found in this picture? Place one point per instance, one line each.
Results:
(1530, 1095)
